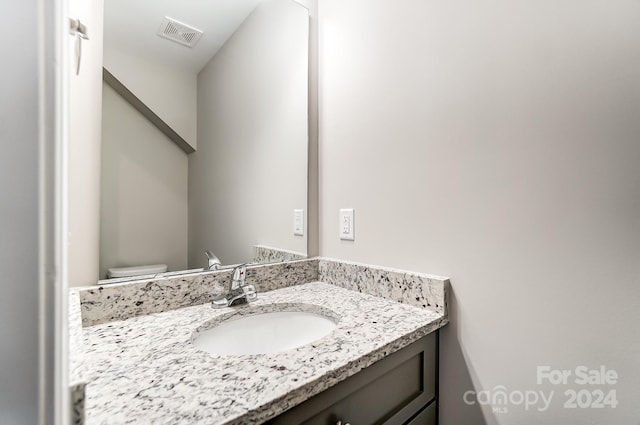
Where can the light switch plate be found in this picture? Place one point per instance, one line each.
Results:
(298, 222)
(346, 224)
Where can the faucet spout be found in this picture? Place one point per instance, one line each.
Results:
(214, 262)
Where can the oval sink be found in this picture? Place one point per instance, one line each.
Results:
(264, 333)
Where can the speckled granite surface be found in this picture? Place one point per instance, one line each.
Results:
(78, 374)
(417, 289)
(264, 254)
(101, 304)
(77, 404)
(77, 368)
(147, 371)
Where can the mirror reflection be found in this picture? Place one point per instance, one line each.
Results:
(215, 172)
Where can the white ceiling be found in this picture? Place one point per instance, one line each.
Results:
(131, 26)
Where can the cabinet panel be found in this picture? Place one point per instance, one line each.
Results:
(388, 392)
(428, 416)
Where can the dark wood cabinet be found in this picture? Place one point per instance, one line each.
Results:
(427, 416)
(400, 389)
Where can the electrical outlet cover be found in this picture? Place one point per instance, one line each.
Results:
(346, 224)
(298, 222)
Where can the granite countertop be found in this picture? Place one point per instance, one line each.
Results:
(77, 367)
(145, 369)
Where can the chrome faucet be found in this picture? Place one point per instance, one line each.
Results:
(214, 262)
(239, 291)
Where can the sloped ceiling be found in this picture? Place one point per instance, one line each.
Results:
(131, 26)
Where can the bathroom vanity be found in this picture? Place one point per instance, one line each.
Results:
(399, 389)
(378, 365)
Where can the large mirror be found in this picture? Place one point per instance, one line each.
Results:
(218, 159)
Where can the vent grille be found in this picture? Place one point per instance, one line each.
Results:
(178, 32)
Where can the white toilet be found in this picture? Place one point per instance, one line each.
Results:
(117, 272)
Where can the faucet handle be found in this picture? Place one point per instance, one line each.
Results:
(238, 275)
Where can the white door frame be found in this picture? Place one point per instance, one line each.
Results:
(54, 403)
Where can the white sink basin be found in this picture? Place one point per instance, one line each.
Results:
(264, 333)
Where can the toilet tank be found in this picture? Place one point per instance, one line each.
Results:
(136, 270)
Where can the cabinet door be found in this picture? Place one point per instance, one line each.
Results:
(389, 392)
(428, 416)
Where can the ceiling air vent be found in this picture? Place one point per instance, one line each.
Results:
(180, 33)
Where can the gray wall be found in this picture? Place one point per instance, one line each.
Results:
(169, 91)
(313, 212)
(19, 212)
(85, 99)
(143, 191)
(250, 170)
(495, 142)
